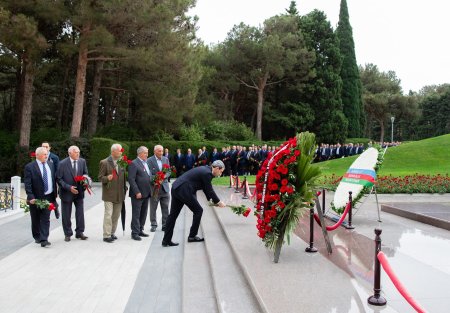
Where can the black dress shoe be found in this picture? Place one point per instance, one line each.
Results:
(57, 213)
(37, 241)
(81, 236)
(108, 239)
(113, 237)
(163, 228)
(45, 243)
(142, 234)
(169, 244)
(136, 237)
(153, 229)
(67, 238)
(195, 239)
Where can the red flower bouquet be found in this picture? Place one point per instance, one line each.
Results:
(45, 205)
(84, 182)
(240, 210)
(159, 178)
(284, 189)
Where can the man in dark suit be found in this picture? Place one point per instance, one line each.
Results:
(40, 183)
(215, 155)
(189, 160)
(52, 158)
(71, 191)
(184, 192)
(179, 162)
(139, 178)
(156, 163)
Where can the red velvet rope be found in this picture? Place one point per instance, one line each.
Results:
(388, 269)
(338, 223)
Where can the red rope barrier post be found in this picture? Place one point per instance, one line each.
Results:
(311, 248)
(237, 184)
(245, 188)
(377, 299)
(323, 201)
(231, 177)
(349, 225)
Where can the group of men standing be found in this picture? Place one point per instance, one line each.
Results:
(326, 152)
(46, 177)
(238, 160)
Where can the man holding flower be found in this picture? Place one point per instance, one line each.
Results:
(72, 191)
(40, 185)
(160, 168)
(112, 176)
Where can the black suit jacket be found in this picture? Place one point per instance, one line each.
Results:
(34, 184)
(139, 179)
(66, 179)
(196, 179)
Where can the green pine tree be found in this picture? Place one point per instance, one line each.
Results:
(351, 82)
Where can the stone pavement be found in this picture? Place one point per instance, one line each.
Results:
(230, 272)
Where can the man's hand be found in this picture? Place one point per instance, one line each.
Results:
(73, 190)
(32, 201)
(110, 177)
(138, 196)
(221, 204)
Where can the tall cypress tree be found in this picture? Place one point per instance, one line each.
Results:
(351, 82)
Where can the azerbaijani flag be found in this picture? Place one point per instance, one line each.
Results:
(359, 176)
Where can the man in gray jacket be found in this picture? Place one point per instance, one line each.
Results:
(162, 196)
(139, 178)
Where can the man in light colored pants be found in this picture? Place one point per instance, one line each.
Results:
(112, 177)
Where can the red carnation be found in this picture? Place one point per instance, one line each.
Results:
(296, 153)
(122, 150)
(33, 154)
(284, 182)
(129, 162)
(125, 158)
(247, 212)
(166, 166)
(51, 207)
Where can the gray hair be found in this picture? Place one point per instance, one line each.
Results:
(158, 147)
(141, 149)
(41, 150)
(218, 163)
(72, 148)
(116, 146)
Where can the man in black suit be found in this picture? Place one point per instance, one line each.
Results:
(189, 160)
(71, 191)
(156, 163)
(178, 162)
(40, 183)
(52, 158)
(184, 192)
(139, 178)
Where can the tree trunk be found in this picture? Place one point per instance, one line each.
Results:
(259, 107)
(62, 95)
(93, 114)
(27, 103)
(381, 132)
(80, 84)
(19, 95)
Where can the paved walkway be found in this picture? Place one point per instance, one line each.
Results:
(230, 272)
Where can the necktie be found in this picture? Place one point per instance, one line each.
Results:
(44, 177)
(74, 168)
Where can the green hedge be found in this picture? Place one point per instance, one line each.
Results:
(100, 149)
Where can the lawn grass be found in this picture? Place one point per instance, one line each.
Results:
(427, 157)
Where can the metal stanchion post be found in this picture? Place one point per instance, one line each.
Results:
(350, 226)
(245, 196)
(377, 299)
(237, 184)
(323, 201)
(311, 247)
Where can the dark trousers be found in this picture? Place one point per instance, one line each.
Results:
(138, 214)
(179, 199)
(163, 199)
(40, 222)
(66, 213)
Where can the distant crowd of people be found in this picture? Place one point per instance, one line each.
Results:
(238, 160)
(326, 152)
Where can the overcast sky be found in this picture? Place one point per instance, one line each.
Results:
(409, 37)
